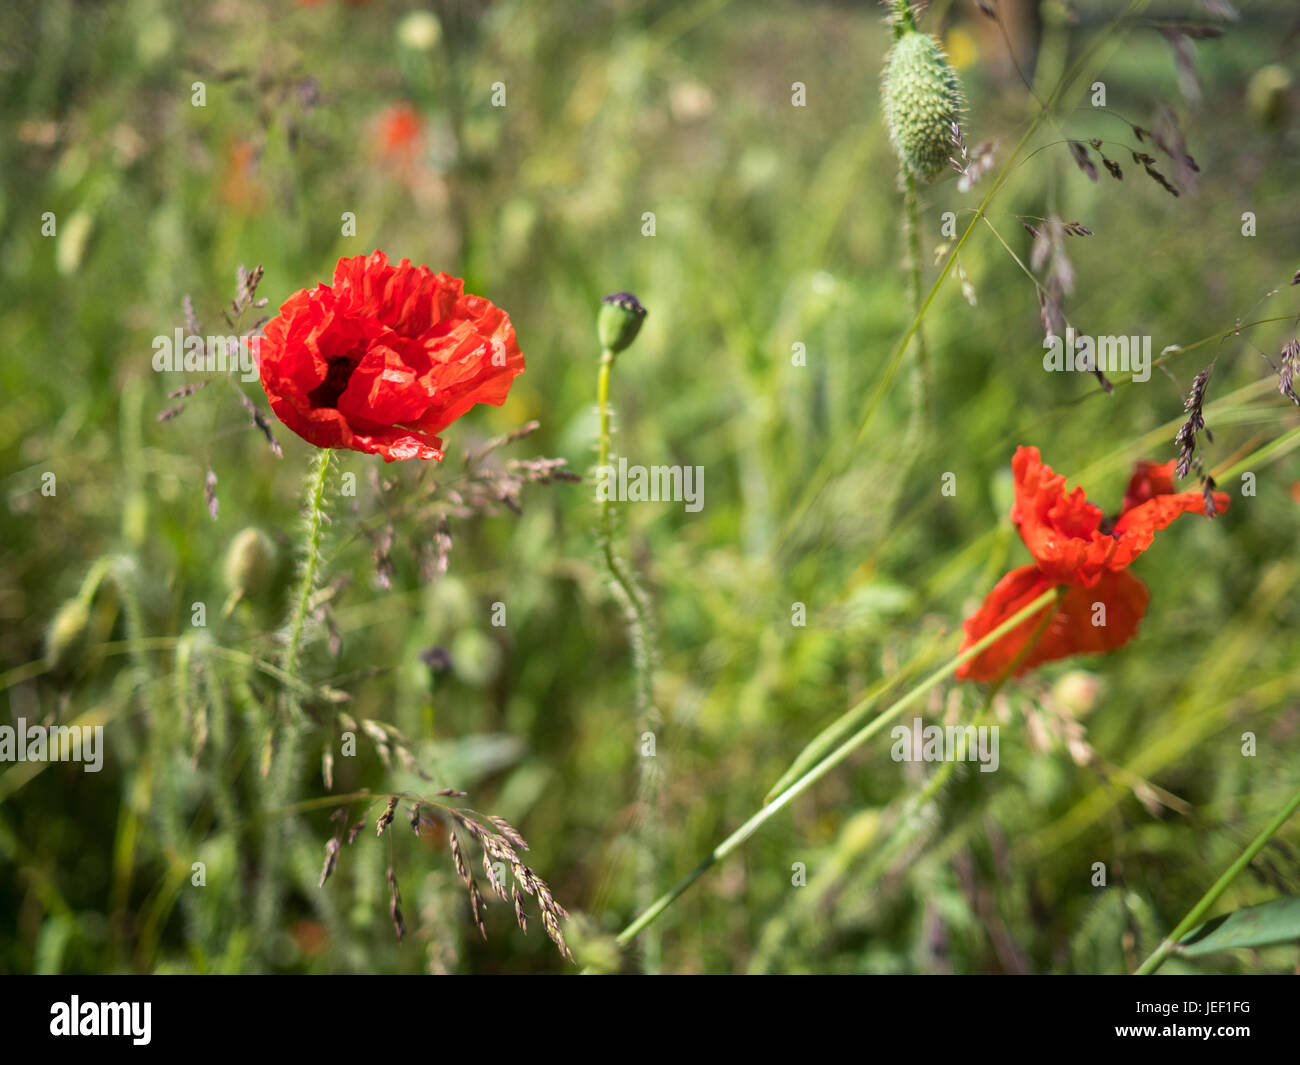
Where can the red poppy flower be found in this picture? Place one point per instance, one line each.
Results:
(1073, 546)
(386, 358)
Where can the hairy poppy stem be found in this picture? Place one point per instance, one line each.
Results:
(638, 619)
(834, 758)
(912, 231)
(280, 770)
(311, 561)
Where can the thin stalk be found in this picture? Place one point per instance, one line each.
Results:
(638, 618)
(1198, 912)
(745, 831)
(912, 231)
(284, 764)
(916, 436)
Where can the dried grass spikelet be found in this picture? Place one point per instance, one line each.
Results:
(509, 879)
(922, 99)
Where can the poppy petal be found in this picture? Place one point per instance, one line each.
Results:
(1060, 528)
(1150, 479)
(1078, 626)
(1137, 528)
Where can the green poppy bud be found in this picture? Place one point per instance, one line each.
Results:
(922, 99)
(250, 563)
(619, 321)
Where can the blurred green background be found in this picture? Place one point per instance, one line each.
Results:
(774, 226)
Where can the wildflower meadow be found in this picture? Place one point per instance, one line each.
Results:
(645, 487)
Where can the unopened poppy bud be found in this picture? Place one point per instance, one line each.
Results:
(67, 637)
(921, 99)
(250, 562)
(619, 321)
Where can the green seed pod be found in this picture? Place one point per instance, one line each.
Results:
(67, 637)
(619, 321)
(922, 99)
(250, 563)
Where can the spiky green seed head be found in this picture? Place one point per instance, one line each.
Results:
(922, 99)
(250, 563)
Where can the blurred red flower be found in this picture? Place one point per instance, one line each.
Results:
(399, 132)
(386, 358)
(1073, 546)
(240, 188)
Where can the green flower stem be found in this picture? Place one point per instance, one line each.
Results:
(904, 18)
(745, 831)
(315, 522)
(638, 617)
(622, 575)
(1198, 912)
(912, 230)
(284, 762)
(916, 435)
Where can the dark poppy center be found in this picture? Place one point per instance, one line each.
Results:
(326, 394)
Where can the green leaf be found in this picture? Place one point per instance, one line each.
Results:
(1255, 926)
